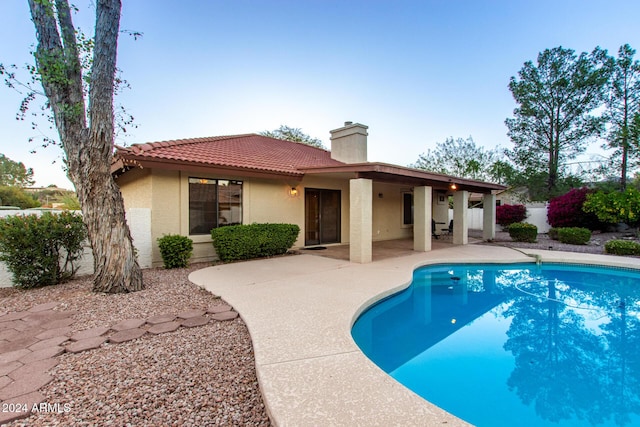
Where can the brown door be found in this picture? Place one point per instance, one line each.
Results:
(322, 216)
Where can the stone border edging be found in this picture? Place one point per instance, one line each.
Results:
(30, 340)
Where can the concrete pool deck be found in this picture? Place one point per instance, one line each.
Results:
(299, 311)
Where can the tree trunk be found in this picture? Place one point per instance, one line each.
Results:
(623, 166)
(88, 150)
(116, 267)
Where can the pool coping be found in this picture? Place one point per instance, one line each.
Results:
(299, 311)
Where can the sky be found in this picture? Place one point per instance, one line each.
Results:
(415, 72)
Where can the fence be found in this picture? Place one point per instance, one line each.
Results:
(139, 221)
(536, 216)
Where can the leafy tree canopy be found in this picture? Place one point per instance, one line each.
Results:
(557, 97)
(463, 158)
(14, 174)
(623, 112)
(287, 133)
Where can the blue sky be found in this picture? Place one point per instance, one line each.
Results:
(415, 72)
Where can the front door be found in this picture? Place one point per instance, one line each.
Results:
(322, 216)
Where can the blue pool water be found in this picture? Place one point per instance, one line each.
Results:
(514, 344)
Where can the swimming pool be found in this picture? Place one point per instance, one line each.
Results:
(514, 344)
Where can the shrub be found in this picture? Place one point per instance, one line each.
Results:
(566, 211)
(175, 250)
(238, 242)
(14, 196)
(622, 247)
(574, 235)
(523, 232)
(553, 233)
(510, 214)
(615, 207)
(41, 250)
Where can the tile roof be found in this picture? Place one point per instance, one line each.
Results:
(248, 151)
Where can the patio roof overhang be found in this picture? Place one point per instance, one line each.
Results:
(378, 172)
(384, 172)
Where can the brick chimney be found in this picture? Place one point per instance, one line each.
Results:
(349, 143)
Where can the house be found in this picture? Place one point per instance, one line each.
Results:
(193, 185)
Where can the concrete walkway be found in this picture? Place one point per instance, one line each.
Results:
(299, 311)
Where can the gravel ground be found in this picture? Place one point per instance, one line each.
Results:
(203, 376)
(595, 246)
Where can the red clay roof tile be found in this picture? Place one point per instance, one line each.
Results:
(250, 151)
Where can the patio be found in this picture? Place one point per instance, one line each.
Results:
(382, 250)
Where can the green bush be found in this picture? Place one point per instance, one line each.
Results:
(523, 232)
(553, 233)
(615, 207)
(41, 250)
(574, 235)
(622, 247)
(237, 242)
(175, 250)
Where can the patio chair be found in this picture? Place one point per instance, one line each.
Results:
(447, 232)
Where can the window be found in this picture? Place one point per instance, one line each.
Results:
(213, 203)
(407, 208)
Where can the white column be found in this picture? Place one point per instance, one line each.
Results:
(422, 200)
(489, 217)
(360, 220)
(460, 221)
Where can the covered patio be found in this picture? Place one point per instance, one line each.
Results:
(428, 203)
(384, 249)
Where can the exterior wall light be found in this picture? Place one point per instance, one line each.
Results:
(453, 186)
(293, 192)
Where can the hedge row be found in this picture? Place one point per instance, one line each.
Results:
(523, 232)
(175, 250)
(622, 247)
(41, 250)
(574, 235)
(238, 242)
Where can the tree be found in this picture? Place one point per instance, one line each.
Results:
(14, 174)
(287, 133)
(87, 134)
(15, 196)
(462, 158)
(553, 121)
(623, 106)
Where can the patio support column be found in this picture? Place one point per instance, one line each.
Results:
(460, 221)
(361, 220)
(489, 217)
(422, 200)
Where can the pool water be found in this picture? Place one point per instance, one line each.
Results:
(514, 344)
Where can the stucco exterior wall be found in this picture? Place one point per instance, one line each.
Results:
(135, 187)
(166, 193)
(387, 212)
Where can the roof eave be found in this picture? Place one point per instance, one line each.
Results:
(126, 160)
(385, 171)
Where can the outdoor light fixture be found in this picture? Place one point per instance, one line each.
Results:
(453, 186)
(293, 192)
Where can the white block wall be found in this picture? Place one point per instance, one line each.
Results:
(535, 215)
